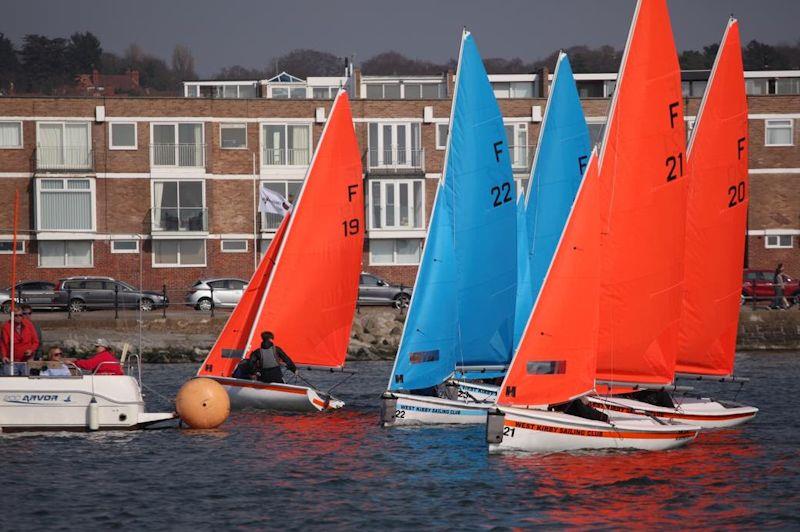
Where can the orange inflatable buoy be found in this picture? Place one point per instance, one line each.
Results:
(203, 404)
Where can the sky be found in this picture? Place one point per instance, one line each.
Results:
(249, 32)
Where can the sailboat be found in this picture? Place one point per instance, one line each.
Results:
(715, 237)
(539, 408)
(461, 316)
(74, 402)
(304, 289)
(562, 153)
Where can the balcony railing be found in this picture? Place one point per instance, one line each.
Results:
(397, 159)
(64, 158)
(285, 157)
(178, 155)
(179, 219)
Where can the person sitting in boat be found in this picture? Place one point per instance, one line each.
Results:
(26, 342)
(55, 366)
(246, 369)
(268, 358)
(103, 360)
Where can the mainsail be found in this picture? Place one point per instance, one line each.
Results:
(561, 157)
(462, 310)
(311, 296)
(643, 193)
(557, 357)
(716, 218)
(232, 340)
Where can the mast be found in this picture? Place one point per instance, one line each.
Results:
(13, 280)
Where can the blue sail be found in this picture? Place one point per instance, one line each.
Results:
(523, 305)
(462, 310)
(561, 157)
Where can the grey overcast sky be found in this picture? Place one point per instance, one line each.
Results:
(250, 32)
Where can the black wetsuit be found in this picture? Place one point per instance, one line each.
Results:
(270, 362)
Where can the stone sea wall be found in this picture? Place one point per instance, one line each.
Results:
(375, 334)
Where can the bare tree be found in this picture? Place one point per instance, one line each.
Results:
(183, 63)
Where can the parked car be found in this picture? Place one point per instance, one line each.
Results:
(372, 290)
(226, 293)
(85, 292)
(759, 284)
(37, 294)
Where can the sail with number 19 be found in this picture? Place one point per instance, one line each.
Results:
(461, 316)
(305, 289)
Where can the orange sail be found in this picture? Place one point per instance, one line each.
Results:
(716, 218)
(233, 338)
(557, 356)
(311, 296)
(643, 193)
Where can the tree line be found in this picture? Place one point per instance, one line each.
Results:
(43, 65)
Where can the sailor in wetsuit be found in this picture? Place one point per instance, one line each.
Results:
(267, 359)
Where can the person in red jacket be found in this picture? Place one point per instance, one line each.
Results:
(26, 341)
(102, 353)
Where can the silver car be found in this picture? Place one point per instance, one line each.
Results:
(372, 290)
(37, 294)
(226, 292)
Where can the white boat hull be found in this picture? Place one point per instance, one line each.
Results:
(34, 404)
(543, 431)
(700, 411)
(476, 392)
(276, 396)
(399, 409)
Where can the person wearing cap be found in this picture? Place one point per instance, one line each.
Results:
(266, 360)
(26, 342)
(103, 360)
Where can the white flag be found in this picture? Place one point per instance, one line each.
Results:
(272, 202)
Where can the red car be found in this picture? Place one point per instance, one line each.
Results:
(759, 284)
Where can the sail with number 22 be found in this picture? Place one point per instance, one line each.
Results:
(304, 290)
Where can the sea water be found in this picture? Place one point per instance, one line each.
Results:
(342, 470)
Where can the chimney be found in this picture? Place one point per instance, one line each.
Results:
(450, 78)
(357, 83)
(542, 89)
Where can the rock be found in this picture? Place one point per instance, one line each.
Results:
(396, 331)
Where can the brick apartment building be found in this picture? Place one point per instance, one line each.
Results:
(166, 188)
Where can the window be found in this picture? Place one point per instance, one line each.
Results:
(192, 91)
(396, 204)
(63, 146)
(122, 136)
(233, 136)
(124, 246)
(286, 145)
(693, 88)
(393, 145)
(65, 204)
(778, 132)
(755, 87)
(512, 89)
(441, 136)
(233, 246)
(7, 246)
(787, 86)
(179, 206)
(286, 92)
(10, 135)
(395, 251)
(177, 145)
(596, 131)
(263, 245)
(325, 93)
(591, 89)
(425, 91)
(517, 137)
(65, 253)
(779, 241)
(289, 190)
(383, 91)
(179, 253)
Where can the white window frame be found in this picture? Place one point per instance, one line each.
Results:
(513, 156)
(768, 126)
(439, 144)
(91, 255)
(63, 124)
(285, 182)
(178, 166)
(178, 264)
(153, 207)
(93, 200)
(124, 251)
(394, 253)
(777, 244)
(223, 241)
(409, 151)
(384, 184)
(20, 244)
(233, 126)
(135, 136)
(21, 135)
(285, 124)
